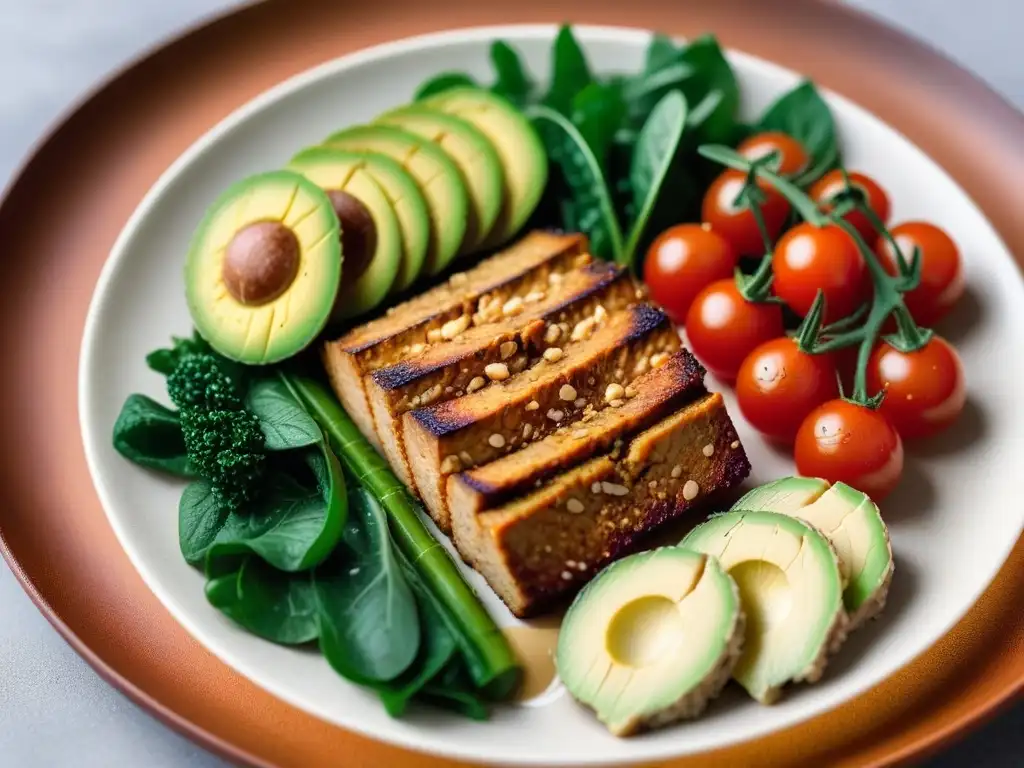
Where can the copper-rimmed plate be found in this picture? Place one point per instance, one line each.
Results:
(131, 131)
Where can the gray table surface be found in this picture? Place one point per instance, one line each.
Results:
(54, 710)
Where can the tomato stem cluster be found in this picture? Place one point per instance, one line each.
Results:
(863, 327)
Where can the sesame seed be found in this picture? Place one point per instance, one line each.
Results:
(507, 349)
(570, 563)
(575, 506)
(512, 307)
(555, 278)
(477, 382)
(566, 575)
(600, 313)
(496, 440)
(533, 405)
(614, 489)
(449, 390)
(552, 333)
(614, 392)
(640, 367)
(497, 371)
(556, 415)
(734, 444)
(580, 402)
(630, 391)
(553, 354)
(527, 431)
(567, 392)
(581, 566)
(582, 329)
(453, 328)
(450, 465)
(595, 487)
(434, 335)
(534, 296)
(547, 547)
(617, 403)
(659, 359)
(415, 349)
(708, 450)
(467, 460)
(677, 472)
(579, 434)
(690, 490)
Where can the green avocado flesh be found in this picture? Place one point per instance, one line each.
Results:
(251, 313)
(405, 198)
(851, 521)
(476, 158)
(518, 146)
(334, 170)
(436, 175)
(791, 591)
(645, 638)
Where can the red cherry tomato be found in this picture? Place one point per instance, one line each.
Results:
(825, 189)
(808, 258)
(723, 327)
(942, 277)
(732, 218)
(844, 442)
(682, 261)
(924, 390)
(792, 155)
(779, 384)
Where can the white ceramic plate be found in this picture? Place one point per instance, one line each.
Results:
(953, 520)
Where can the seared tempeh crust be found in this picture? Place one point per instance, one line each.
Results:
(654, 395)
(524, 268)
(447, 370)
(546, 545)
(503, 416)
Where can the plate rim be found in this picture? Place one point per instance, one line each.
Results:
(151, 703)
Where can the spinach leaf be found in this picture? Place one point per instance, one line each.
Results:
(588, 189)
(369, 625)
(453, 689)
(512, 80)
(166, 360)
(272, 604)
(200, 518)
(149, 434)
(804, 115)
(298, 521)
(661, 51)
(653, 155)
(645, 91)
(442, 82)
(596, 112)
(284, 421)
(712, 73)
(570, 72)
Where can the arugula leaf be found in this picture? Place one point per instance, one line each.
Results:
(570, 72)
(442, 82)
(149, 434)
(512, 80)
(272, 604)
(653, 155)
(297, 523)
(712, 73)
(803, 114)
(369, 625)
(596, 112)
(588, 189)
(200, 518)
(284, 422)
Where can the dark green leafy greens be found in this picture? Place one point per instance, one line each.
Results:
(149, 434)
(805, 116)
(570, 72)
(283, 421)
(513, 82)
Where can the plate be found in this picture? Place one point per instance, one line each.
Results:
(945, 557)
(100, 162)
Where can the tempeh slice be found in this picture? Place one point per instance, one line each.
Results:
(581, 379)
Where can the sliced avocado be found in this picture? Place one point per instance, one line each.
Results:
(475, 157)
(371, 239)
(791, 590)
(853, 524)
(436, 175)
(406, 200)
(519, 148)
(263, 267)
(651, 639)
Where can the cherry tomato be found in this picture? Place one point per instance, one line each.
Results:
(723, 327)
(732, 218)
(844, 442)
(825, 189)
(808, 258)
(792, 155)
(682, 261)
(942, 277)
(924, 389)
(779, 384)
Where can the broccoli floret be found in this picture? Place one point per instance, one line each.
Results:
(223, 440)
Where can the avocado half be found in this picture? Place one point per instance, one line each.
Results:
(436, 175)
(791, 590)
(264, 267)
(518, 146)
(851, 522)
(651, 639)
(371, 239)
(472, 153)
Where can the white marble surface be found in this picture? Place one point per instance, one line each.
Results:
(55, 712)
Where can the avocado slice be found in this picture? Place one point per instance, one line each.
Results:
(791, 589)
(519, 148)
(263, 267)
(851, 522)
(405, 198)
(436, 175)
(651, 639)
(371, 238)
(475, 157)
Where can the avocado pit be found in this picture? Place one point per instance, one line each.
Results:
(358, 232)
(260, 262)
